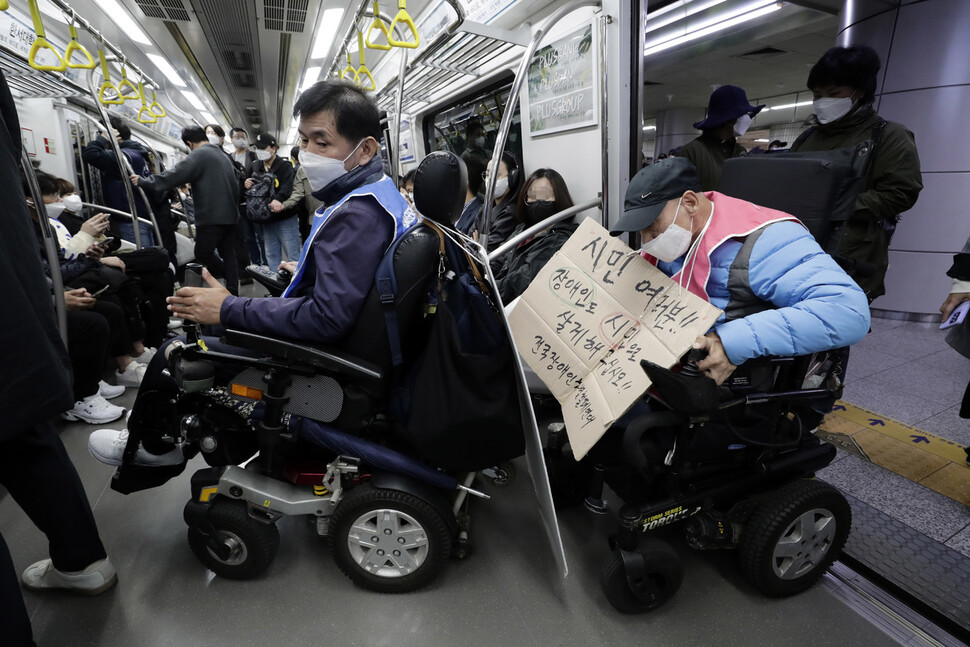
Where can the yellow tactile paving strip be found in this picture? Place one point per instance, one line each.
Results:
(922, 457)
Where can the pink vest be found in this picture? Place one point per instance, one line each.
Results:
(732, 218)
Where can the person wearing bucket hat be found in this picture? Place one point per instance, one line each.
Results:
(781, 294)
(728, 116)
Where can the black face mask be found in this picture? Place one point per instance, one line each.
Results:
(538, 211)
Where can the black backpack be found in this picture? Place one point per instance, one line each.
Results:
(457, 402)
(258, 197)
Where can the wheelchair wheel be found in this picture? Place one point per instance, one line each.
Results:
(794, 536)
(252, 544)
(662, 575)
(387, 540)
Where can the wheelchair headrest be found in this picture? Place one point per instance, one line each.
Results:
(439, 187)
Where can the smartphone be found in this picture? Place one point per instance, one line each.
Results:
(94, 294)
(957, 316)
(107, 241)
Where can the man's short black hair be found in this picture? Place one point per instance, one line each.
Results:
(217, 129)
(47, 182)
(356, 115)
(855, 67)
(193, 135)
(237, 129)
(295, 152)
(123, 130)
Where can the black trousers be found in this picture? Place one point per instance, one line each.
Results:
(208, 239)
(39, 475)
(87, 345)
(119, 341)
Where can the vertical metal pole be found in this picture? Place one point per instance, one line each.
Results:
(125, 182)
(50, 244)
(78, 137)
(604, 121)
(397, 120)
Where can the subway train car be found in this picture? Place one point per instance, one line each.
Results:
(551, 120)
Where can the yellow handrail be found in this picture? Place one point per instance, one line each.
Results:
(107, 85)
(154, 103)
(4, 5)
(41, 43)
(75, 46)
(151, 118)
(125, 83)
(403, 17)
(379, 25)
(362, 71)
(350, 68)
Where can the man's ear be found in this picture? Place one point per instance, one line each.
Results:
(368, 149)
(690, 201)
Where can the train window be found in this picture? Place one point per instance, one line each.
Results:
(469, 126)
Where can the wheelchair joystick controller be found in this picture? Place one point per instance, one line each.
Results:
(193, 279)
(690, 367)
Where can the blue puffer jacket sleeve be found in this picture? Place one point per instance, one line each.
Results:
(817, 305)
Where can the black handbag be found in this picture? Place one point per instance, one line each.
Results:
(102, 279)
(258, 198)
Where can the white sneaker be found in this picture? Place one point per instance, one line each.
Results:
(132, 375)
(146, 356)
(108, 446)
(109, 391)
(93, 580)
(94, 410)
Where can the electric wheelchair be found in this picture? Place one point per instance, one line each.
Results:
(315, 417)
(732, 465)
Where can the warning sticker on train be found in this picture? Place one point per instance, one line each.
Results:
(594, 311)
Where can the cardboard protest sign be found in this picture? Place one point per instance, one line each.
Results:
(591, 314)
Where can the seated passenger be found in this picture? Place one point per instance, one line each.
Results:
(787, 298)
(501, 220)
(339, 134)
(543, 195)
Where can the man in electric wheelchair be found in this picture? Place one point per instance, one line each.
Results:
(725, 441)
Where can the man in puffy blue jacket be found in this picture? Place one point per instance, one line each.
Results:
(781, 294)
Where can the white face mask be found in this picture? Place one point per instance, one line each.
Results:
(828, 109)
(671, 244)
(741, 125)
(322, 170)
(214, 139)
(240, 143)
(501, 186)
(72, 203)
(54, 210)
(262, 154)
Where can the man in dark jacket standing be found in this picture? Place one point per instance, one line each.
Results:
(843, 83)
(215, 191)
(34, 466)
(728, 116)
(281, 232)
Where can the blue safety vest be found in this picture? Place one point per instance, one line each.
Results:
(386, 195)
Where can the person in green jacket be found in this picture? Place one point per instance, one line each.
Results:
(728, 116)
(843, 84)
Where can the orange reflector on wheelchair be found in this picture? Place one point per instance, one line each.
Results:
(247, 392)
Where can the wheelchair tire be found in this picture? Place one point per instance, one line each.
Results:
(253, 543)
(793, 536)
(664, 573)
(387, 540)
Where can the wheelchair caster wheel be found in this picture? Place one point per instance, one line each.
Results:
(463, 548)
(242, 547)
(642, 580)
(387, 540)
(794, 536)
(500, 475)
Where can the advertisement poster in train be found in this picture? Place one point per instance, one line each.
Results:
(562, 84)
(407, 142)
(591, 314)
(437, 20)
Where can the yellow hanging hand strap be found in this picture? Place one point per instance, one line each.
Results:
(160, 112)
(362, 71)
(403, 17)
(380, 26)
(145, 115)
(350, 69)
(41, 43)
(124, 85)
(75, 46)
(107, 85)
(4, 5)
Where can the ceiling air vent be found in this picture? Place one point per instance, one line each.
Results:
(285, 15)
(762, 54)
(164, 9)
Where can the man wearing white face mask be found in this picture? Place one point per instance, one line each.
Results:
(843, 84)
(781, 294)
(728, 116)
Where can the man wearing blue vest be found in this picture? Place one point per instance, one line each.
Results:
(363, 214)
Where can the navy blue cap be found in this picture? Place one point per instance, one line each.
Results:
(727, 103)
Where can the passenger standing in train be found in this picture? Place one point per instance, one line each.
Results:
(502, 219)
(34, 466)
(243, 158)
(475, 145)
(843, 83)
(100, 154)
(281, 234)
(339, 147)
(215, 190)
(728, 116)
(544, 194)
(217, 137)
